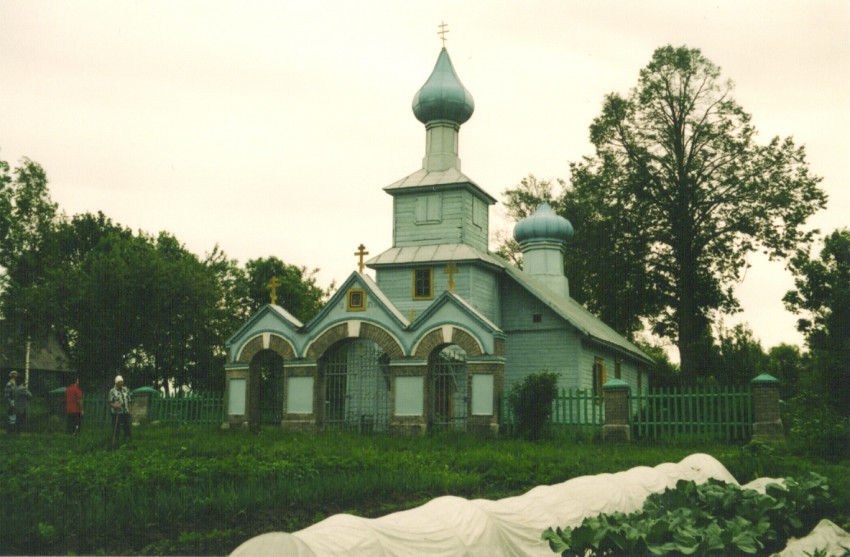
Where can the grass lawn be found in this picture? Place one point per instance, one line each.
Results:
(203, 491)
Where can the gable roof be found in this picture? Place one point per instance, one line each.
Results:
(451, 298)
(278, 312)
(576, 314)
(372, 289)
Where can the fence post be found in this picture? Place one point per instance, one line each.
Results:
(767, 423)
(616, 401)
(140, 410)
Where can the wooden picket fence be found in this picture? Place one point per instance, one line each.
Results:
(194, 409)
(200, 409)
(723, 413)
(712, 412)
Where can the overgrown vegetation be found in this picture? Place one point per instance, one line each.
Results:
(204, 491)
(714, 518)
(531, 403)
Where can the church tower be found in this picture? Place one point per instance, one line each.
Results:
(438, 204)
(440, 216)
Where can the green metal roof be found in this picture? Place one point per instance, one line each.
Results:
(543, 224)
(443, 97)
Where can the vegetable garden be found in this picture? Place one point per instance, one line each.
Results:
(201, 490)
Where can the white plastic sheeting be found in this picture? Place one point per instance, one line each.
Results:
(453, 526)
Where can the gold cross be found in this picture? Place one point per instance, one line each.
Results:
(442, 32)
(361, 251)
(272, 288)
(450, 270)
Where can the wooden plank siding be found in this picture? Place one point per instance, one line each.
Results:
(454, 226)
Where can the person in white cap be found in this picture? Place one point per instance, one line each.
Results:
(119, 404)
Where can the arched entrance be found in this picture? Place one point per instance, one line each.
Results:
(356, 386)
(267, 388)
(449, 388)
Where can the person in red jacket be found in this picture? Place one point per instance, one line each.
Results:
(74, 407)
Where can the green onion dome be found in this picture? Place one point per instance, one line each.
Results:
(443, 97)
(544, 224)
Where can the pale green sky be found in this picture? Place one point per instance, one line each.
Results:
(270, 128)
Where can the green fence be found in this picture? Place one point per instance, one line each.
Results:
(572, 410)
(189, 409)
(716, 412)
(196, 409)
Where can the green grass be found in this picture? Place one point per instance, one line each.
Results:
(204, 491)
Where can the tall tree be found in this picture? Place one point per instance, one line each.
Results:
(822, 295)
(27, 218)
(297, 291)
(740, 356)
(677, 159)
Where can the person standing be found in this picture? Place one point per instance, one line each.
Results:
(119, 403)
(22, 406)
(9, 398)
(74, 407)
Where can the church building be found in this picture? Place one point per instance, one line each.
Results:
(445, 328)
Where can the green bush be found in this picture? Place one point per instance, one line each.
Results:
(814, 428)
(714, 518)
(531, 403)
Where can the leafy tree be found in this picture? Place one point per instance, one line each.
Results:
(740, 356)
(27, 213)
(786, 363)
(822, 295)
(682, 191)
(297, 293)
(27, 218)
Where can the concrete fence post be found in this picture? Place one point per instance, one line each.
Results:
(767, 422)
(616, 401)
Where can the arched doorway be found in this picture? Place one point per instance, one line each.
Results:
(267, 388)
(449, 388)
(356, 386)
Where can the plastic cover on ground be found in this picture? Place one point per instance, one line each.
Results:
(453, 526)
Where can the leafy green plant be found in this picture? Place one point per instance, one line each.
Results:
(714, 518)
(531, 403)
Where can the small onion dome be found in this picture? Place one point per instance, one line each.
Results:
(443, 97)
(544, 224)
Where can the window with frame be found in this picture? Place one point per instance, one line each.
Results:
(423, 284)
(618, 365)
(599, 376)
(356, 300)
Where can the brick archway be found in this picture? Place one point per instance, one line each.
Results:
(436, 337)
(265, 341)
(355, 329)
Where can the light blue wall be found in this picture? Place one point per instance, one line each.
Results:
(456, 221)
(476, 285)
(531, 347)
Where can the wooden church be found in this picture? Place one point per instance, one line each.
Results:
(445, 328)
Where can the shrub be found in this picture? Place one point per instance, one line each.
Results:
(814, 428)
(531, 403)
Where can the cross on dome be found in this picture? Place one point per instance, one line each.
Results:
(442, 32)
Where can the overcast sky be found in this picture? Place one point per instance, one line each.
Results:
(270, 128)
